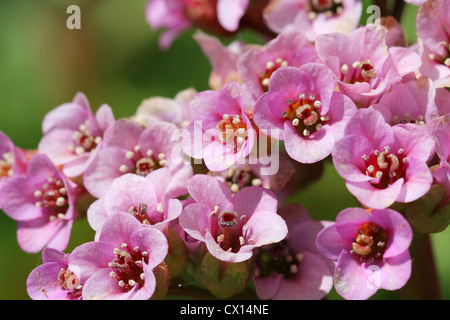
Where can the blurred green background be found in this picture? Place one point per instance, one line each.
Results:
(114, 59)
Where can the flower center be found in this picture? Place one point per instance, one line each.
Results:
(69, 281)
(140, 212)
(232, 128)
(53, 197)
(84, 141)
(358, 72)
(328, 7)
(369, 242)
(277, 258)
(127, 267)
(385, 166)
(144, 162)
(238, 178)
(407, 118)
(6, 163)
(305, 115)
(271, 67)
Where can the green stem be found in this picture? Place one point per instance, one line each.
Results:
(424, 281)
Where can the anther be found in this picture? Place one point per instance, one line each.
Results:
(129, 154)
(123, 168)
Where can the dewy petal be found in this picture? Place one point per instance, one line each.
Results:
(311, 149)
(373, 197)
(351, 280)
(42, 282)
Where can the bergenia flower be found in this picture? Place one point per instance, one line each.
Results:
(257, 65)
(221, 133)
(73, 134)
(371, 249)
(13, 161)
(119, 266)
(156, 109)
(313, 17)
(362, 63)
(433, 25)
(53, 280)
(293, 269)
(43, 204)
(152, 200)
(231, 226)
(305, 109)
(383, 164)
(409, 102)
(129, 148)
(230, 12)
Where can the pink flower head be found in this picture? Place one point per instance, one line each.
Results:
(119, 266)
(129, 148)
(151, 199)
(53, 280)
(301, 103)
(362, 64)
(43, 204)
(293, 269)
(221, 133)
(13, 161)
(231, 226)
(313, 17)
(257, 65)
(433, 25)
(73, 134)
(371, 251)
(230, 12)
(383, 164)
(161, 109)
(412, 101)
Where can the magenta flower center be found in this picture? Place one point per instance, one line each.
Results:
(369, 242)
(6, 163)
(53, 197)
(238, 178)
(277, 258)
(385, 166)
(328, 7)
(127, 267)
(84, 141)
(358, 72)
(143, 162)
(140, 212)
(271, 67)
(304, 114)
(69, 281)
(232, 128)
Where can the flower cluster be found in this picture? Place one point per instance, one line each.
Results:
(196, 186)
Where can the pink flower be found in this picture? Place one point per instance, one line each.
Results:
(73, 134)
(119, 266)
(152, 200)
(230, 12)
(257, 65)
(371, 251)
(302, 105)
(364, 67)
(161, 109)
(128, 148)
(43, 204)
(53, 280)
(412, 101)
(221, 133)
(293, 269)
(231, 226)
(383, 164)
(13, 161)
(313, 17)
(433, 23)
(439, 129)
